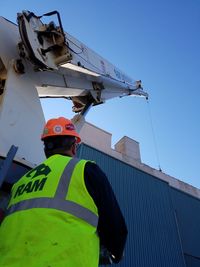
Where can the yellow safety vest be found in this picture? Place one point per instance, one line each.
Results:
(52, 219)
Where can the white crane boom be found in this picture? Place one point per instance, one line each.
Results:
(40, 60)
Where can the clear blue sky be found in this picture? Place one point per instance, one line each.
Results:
(157, 42)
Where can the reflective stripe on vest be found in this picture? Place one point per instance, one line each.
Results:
(59, 202)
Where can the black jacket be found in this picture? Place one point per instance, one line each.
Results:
(112, 228)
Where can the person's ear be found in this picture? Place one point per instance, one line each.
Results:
(73, 149)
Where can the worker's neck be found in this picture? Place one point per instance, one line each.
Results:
(63, 153)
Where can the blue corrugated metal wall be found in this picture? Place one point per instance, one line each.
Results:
(188, 217)
(153, 239)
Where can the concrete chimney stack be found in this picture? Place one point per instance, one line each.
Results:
(129, 149)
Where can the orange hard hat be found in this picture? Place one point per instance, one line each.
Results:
(59, 127)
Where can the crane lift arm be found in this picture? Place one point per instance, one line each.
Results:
(49, 48)
(39, 60)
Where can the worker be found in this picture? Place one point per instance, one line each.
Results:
(62, 211)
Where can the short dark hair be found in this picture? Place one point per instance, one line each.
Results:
(58, 144)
